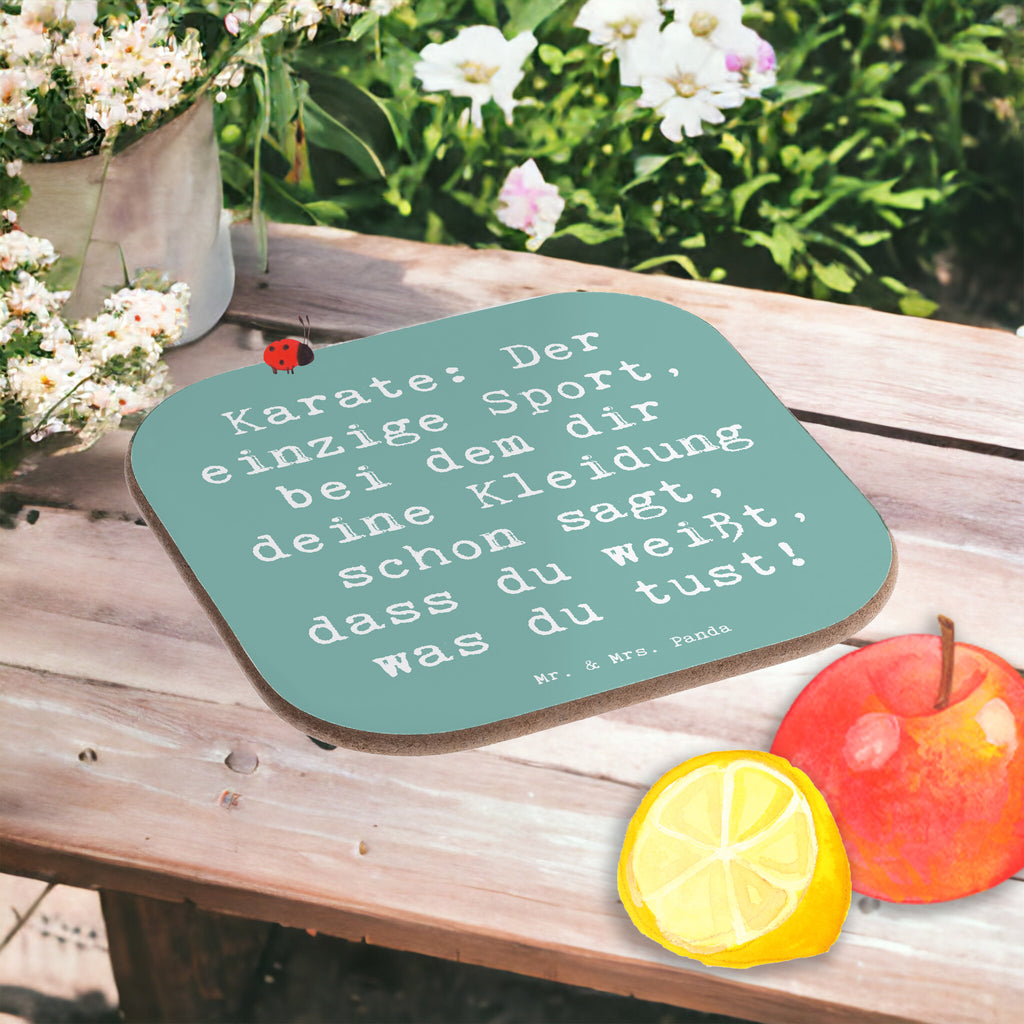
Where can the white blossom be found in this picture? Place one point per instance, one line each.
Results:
(28, 296)
(479, 63)
(21, 250)
(17, 108)
(713, 20)
(614, 22)
(753, 57)
(163, 315)
(22, 39)
(80, 379)
(80, 13)
(634, 53)
(685, 79)
(138, 69)
(37, 383)
(528, 203)
(293, 15)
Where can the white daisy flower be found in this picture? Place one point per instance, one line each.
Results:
(479, 63)
(685, 79)
(614, 22)
(713, 20)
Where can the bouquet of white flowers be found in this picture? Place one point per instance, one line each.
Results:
(74, 381)
(85, 79)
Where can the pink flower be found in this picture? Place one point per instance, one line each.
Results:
(528, 203)
(753, 57)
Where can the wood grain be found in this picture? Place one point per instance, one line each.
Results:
(174, 962)
(938, 378)
(502, 856)
(958, 542)
(479, 854)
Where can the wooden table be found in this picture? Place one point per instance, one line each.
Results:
(120, 706)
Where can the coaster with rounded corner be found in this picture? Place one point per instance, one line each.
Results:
(458, 532)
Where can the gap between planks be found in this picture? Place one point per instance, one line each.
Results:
(467, 822)
(941, 379)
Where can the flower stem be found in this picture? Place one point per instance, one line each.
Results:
(946, 677)
(46, 415)
(220, 61)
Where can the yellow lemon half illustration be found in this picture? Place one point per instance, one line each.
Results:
(734, 859)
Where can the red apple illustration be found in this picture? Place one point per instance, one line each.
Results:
(917, 745)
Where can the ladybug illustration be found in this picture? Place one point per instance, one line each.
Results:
(287, 353)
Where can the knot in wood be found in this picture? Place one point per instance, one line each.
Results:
(242, 760)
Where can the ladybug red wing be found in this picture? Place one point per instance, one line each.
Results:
(285, 354)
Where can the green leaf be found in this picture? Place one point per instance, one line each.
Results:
(818, 238)
(911, 199)
(645, 168)
(781, 243)
(363, 24)
(678, 258)
(890, 217)
(589, 234)
(732, 145)
(982, 32)
(834, 276)
(326, 211)
(893, 108)
(528, 14)
(487, 11)
(356, 108)
(970, 52)
(552, 56)
(894, 285)
(844, 147)
(741, 194)
(434, 232)
(873, 77)
(789, 92)
(841, 188)
(281, 205)
(237, 174)
(864, 239)
(284, 103)
(916, 304)
(328, 133)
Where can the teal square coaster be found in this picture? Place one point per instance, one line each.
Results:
(458, 532)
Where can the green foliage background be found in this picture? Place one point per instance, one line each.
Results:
(888, 157)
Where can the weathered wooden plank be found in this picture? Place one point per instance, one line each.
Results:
(641, 980)
(136, 625)
(174, 962)
(946, 495)
(446, 870)
(477, 855)
(958, 541)
(939, 378)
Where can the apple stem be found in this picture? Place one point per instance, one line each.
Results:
(946, 678)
